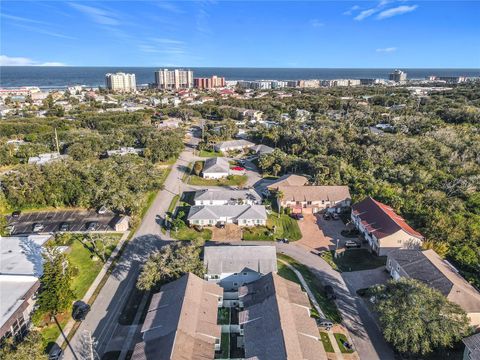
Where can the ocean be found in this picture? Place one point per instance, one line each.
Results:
(60, 77)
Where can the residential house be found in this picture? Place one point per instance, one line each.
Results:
(235, 266)
(288, 180)
(242, 215)
(252, 116)
(125, 151)
(46, 158)
(21, 265)
(276, 323)
(383, 228)
(262, 149)
(234, 145)
(120, 223)
(181, 322)
(472, 347)
(428, 267)
(216, 168)
(226, 197)
(312, 199)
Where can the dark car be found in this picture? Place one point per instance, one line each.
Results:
(64, 226)
(92, 226)
(80, 310)
(283, 240)
(327, 216)
(220, 225)
(16, 214)
(330, 292)
(318, 252)
(297, 216)
(350, 244)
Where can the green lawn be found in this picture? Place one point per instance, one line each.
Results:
(286, 273)
(328, 306)
(190, 234)
(173, 204)
(284, 226)
(340, 340)
(223, 317)
(231, 180)
(327, 344)
(358, 259)
(207, 153)
(224, 346)
(80, 258)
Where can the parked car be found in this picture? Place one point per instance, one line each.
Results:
(92, 226)
(335, 216)
(297, 216)
(64, 226)
(238, 168)
(327, 324)
(327, 216)
(283, 240)
(241, 162)
(318, 252)
(350, 244)
(266, 193)
(102, 210)
(220, 225)
(16, 214)
(56, 352)
(80, 310)
(330, 292)
(38, 227)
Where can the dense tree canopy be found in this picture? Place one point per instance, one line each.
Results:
(416, 318)
(170, 263)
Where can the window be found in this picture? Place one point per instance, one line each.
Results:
(235, 284)
(323, 202)
(309, 203)
(244, 273)
(399, 241)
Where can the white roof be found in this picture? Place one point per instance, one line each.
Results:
(215, 212)
(22, 255)
(216, 165)
(226, 195)
(231, 259)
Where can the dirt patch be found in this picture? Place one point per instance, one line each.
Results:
(230, 232)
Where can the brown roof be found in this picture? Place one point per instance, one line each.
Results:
(380, 219)
(276, 321)
(181, 322)
(289, 179)
(314, 193)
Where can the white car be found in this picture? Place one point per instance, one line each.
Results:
(38, 227)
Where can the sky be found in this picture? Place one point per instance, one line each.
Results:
(335, 34)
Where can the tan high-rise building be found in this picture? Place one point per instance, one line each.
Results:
(209, 83)
(121, 82)
(174, 79)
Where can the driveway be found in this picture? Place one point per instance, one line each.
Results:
(365, 278)
(320, 234)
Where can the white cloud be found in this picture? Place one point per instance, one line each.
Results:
(351, 10)
(169, 7)
(365, 13)
(399, 10)
(23, 61)
(97, 15)
(316, 23)
(22, 19)
(387, 50)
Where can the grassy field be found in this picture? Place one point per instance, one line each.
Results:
(358, 259)
(327, 306)
(284, 226)
(340, 340)
(286, 273)
(191, 234)
(207, 153)
(80, 257)
(327, 344)
(232, 180)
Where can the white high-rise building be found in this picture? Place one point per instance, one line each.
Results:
(398, 76)
(121, 82)
(174, 79)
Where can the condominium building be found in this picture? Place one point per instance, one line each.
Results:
(209, 83)
(121, 82)
(398, 76)
(174, 79)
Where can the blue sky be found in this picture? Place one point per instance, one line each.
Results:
(384, 33)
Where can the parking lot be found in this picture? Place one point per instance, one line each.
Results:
(76, 220)
(321, 234)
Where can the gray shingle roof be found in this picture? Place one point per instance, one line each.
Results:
(226, 195)
(216, 165)
(214, 212)
(233, 144)
(181, 322)
(234, 259)
(473, 344)
(276, 321)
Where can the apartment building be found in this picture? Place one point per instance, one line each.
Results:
(398, 76)
(120, 82)
(174, 79)
(209, 83)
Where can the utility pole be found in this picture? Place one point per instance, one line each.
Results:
(56, 141)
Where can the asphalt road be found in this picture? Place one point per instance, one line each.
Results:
(102, 321)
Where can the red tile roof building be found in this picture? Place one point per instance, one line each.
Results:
(383, 228)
